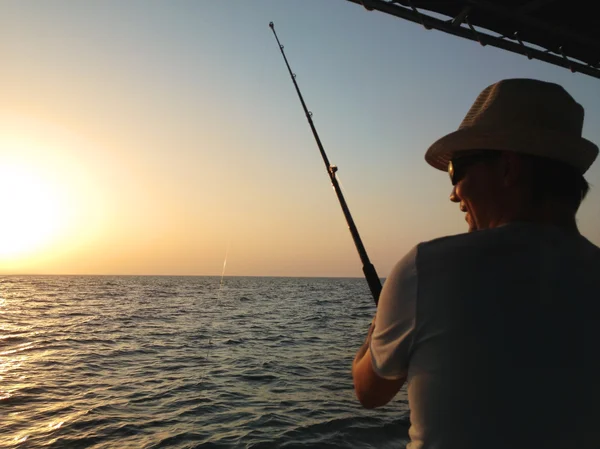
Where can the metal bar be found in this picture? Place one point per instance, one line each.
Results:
(456, 21)
(446, 27)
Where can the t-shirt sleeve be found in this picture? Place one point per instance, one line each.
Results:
(393, 335)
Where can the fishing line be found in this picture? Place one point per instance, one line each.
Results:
(223, 272)
(216, 305)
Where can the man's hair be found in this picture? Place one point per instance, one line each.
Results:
(554, 180)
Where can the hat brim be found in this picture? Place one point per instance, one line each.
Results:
(578, 152)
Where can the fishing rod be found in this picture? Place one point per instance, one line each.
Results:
(368, 268)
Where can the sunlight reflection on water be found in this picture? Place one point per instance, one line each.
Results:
(126, 362)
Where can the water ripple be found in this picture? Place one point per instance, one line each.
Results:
(181, 362)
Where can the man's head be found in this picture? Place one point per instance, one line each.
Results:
(517, 156)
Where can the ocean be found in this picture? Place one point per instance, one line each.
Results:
(187, 362)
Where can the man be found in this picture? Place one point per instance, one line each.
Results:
(497, 331)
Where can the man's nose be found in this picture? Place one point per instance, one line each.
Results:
(454, 196)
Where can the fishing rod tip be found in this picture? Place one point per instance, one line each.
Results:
(271, 24)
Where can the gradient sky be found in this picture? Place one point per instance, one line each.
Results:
(163, 137)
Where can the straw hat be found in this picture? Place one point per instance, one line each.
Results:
(521, 115)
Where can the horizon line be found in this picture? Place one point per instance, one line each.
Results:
(180, 275)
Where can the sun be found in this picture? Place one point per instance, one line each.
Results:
(31, 211)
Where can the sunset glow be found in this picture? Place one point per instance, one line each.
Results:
(32, 211)
(140, 138)
(49, 206)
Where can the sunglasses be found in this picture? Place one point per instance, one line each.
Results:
(457, 166)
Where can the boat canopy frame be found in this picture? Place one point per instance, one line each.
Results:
(565, 34)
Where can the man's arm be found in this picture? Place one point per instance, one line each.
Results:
(393, 332)
(371, 389)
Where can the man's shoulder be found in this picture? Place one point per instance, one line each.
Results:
(458, 241)
(436, 251)
(508, 240)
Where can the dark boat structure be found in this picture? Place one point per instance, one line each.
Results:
(565, 34)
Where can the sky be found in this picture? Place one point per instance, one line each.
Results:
(166, 137)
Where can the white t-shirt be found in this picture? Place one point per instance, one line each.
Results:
(498, 332)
